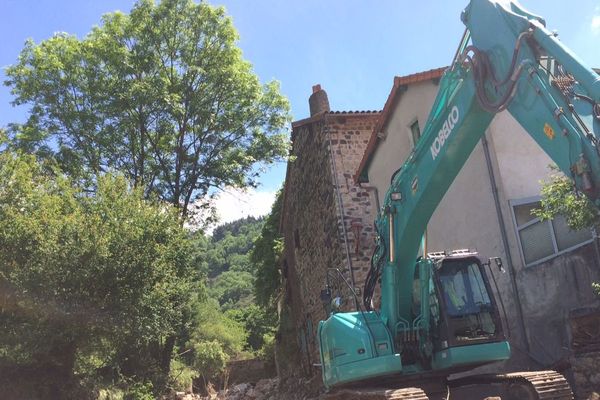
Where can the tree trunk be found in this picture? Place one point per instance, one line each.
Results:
(165, 361)
(62, 359)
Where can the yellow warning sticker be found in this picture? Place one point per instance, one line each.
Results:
(414, 185)
(548, 131)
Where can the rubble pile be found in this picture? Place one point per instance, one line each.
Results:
(264, 389)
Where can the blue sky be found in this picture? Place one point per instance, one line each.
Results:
(353, 48)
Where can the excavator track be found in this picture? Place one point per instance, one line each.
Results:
(378, 394)
(546, 384)
(534, 385)
(530, 385)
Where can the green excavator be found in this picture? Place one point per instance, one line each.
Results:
(438, 313)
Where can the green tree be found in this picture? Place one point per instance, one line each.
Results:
(233, 289)
(265, 256)
(210, 359)
(259, 323)
(161, 94)
(559, 197)
(214, 325)
(105, 274)
(231, 244)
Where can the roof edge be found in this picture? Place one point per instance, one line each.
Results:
(358, 113)
(400, 83)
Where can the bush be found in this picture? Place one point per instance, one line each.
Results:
(111, 393)
(89, 281)
(267, 351)
(210, 359)
(139, 391)
(181, 376)
(214, 325)
(258, 323)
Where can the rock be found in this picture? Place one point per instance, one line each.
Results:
(266, 386)
(241, 388)
(185, 396)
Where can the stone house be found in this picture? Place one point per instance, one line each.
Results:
(343, 163)
(327, 217)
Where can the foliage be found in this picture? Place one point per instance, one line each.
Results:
(265, 257)
(228, 247)
(211, 359)
(257, 323)
(233, 289)
(110, 393)
(98, 279)
(559, 197)
(161, 94)
(267, 351)
(139, 391)
(224, 258)
(104, 276)
(249, 226)
(214, 325)
(181, 376)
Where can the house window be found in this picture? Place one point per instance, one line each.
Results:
(539, 240)
(415, 131)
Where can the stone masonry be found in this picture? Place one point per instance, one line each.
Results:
(327, 218)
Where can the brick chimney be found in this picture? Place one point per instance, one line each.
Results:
(318, 101)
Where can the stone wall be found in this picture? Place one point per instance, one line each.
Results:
(549, 292)
(248, 371)
(327, 218)
(349, 135)
(310, 232)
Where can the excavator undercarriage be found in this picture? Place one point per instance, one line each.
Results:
(534, 385)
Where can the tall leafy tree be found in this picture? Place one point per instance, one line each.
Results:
(162, 94)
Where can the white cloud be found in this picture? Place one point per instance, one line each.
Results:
(232, 204)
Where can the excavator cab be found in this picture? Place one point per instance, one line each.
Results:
(463, 310)
(467, 307)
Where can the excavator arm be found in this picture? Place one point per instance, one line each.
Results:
(517, 65)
